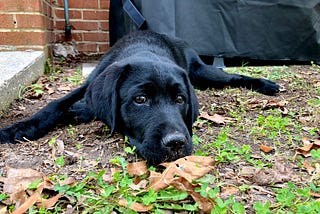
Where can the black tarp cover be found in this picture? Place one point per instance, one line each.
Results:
(256, 29)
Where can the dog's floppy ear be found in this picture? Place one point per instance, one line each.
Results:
(102, 94)
(193, 105)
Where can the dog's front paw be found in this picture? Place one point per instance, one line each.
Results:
(7, 135)
(268, 87)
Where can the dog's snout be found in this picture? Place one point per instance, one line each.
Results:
(174, 141)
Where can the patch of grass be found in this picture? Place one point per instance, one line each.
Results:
(97, 196)
(224, 149)
(77, 78)
(33, 88)
(272, 126)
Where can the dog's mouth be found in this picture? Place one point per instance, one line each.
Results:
(170, 148)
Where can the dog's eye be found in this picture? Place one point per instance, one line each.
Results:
(179, 99)
(140, 99)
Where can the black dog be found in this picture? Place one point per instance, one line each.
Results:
(142, 88)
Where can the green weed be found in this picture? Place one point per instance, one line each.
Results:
(77, 78)
(36, 88)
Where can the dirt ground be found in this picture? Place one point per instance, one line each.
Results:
(89, 147)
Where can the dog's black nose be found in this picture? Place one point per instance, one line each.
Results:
(174, 141)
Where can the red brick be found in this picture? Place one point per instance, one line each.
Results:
(96, 37)
(76, 36)
(18, 5)
(104, 4)
(59, 25)
(7, 21)
(49, 22)
(87, 47)
(31, 21)
(23, 38)
(77, 25)
(73, 14)
(104, 47)
(50, 36)
(104, 26)
(59, 3)
(59, 37)
(46, 9)
(93, 4)
(80, 25)
(95, 15)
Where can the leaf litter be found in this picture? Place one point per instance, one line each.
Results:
(179, 174)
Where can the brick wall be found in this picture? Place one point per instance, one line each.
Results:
(36, 24)
(22, 25)
(89, 24)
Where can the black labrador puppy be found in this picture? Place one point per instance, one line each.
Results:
(143, 88)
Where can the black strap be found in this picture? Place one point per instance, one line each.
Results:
(133, 13)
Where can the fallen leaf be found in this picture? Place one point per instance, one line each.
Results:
(314, 194)
(280, 173)
(136, 206)
(248, 171)
(228, 191)
(190, 168)
(266, 149)
(266, 104)
(216, 118)
(310, 169)
(19, 179)
(108, 177)
(49, 203)
(68, 181)
(64, 88)
(182, 184)
(36, 196)
(308, 146)
(141, 185)
(60, 145)
(3, 210)
(137, 168)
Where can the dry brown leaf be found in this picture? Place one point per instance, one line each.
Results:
(141, 185)
(60, 145)
(216, 118)
(308, 146)
(19, 179)
(108, 177)
(316, 195)
(228, 191)
(190, 168)
(182, 184)
(18, 198)
(68, 181)
(280, 173)
(49, 88)
(64, 88)
(135, 206)
(49, 203)
(254, 103)
(248, 171)
(137, 168)
(3, 210)
(266, 149)
(36, 196)
(310, 169)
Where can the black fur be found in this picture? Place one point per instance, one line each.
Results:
(142, 88)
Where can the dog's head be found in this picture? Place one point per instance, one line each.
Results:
(151, 102)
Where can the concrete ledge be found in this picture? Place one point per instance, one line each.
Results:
(18, 68)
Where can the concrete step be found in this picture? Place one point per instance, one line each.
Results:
(18, 68)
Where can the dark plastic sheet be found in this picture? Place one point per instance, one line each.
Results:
(256, 29)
